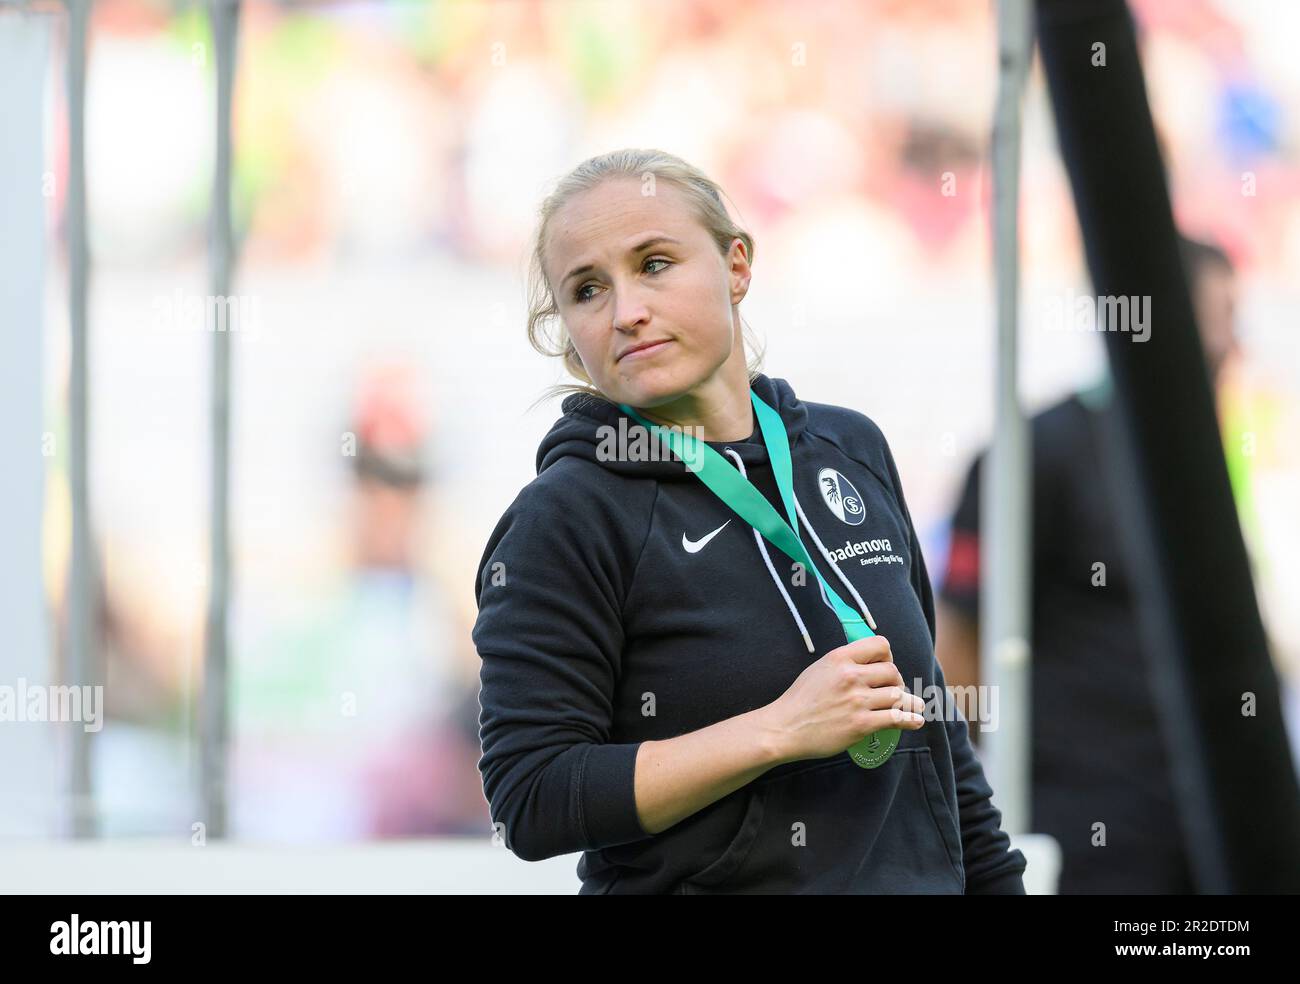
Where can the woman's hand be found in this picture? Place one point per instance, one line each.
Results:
(849, 693)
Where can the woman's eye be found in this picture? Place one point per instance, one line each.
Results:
(580, 295)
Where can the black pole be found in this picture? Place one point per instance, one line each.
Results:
(1200, 623)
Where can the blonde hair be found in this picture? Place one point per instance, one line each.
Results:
(704, 195)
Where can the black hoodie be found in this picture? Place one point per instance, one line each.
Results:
(621, 601)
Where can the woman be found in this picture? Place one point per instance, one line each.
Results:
(660, 689)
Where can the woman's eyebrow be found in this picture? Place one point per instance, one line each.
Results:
(652, 241)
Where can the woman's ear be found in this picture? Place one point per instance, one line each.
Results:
(742, 288)
(738, 270)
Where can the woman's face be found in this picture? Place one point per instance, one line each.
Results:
(643, 291)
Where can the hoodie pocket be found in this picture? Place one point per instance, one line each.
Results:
(733, 856)
(829, 827)
(944, 822)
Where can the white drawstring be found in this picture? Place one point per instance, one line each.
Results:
(771, 569)
(831, 560)
(780, 584)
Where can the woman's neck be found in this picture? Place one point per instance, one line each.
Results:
(717, 410)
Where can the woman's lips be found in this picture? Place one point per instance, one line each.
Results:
(647, 351)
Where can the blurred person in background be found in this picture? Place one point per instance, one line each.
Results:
(353, 720)
(1098, 753)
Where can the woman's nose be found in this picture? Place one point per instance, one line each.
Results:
(630, 309)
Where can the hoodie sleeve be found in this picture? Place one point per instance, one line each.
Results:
(549, 635)
(992, 866)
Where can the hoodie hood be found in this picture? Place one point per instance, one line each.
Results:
(589, 421)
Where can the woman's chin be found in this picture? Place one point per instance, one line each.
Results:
(655, 385)
(652, 396)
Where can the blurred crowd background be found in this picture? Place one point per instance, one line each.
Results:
(389, 161)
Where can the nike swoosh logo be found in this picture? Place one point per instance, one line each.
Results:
(695, 546)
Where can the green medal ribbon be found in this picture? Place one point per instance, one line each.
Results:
(752, 506)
